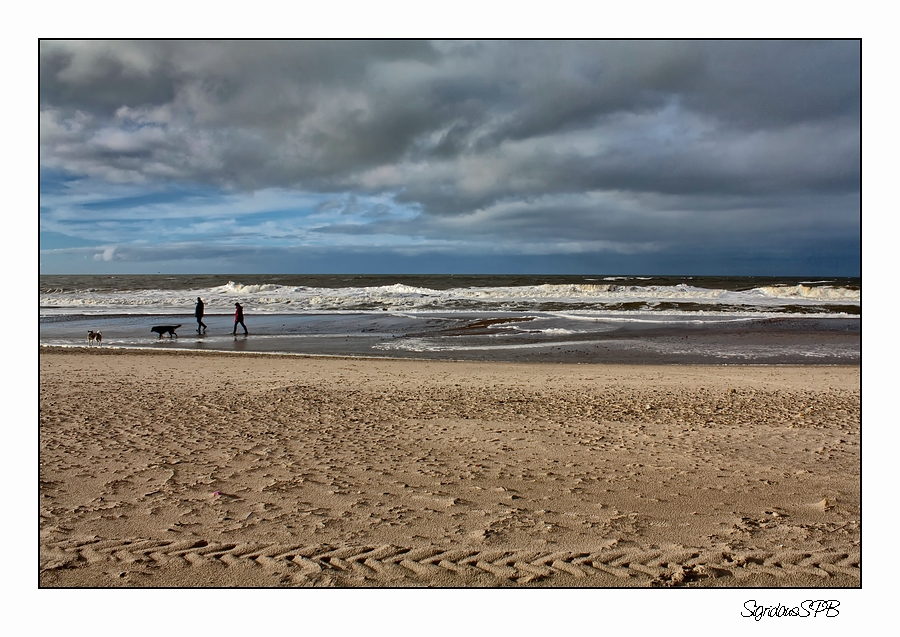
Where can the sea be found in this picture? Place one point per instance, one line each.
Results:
(514, 318)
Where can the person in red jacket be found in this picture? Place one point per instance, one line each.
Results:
(239, 318)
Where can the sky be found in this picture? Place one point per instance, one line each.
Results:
(732, 157)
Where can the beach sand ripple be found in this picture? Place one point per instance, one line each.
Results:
(191, 469)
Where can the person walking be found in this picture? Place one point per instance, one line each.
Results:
(198, 312)
(239, 318)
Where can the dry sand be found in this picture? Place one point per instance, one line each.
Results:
(190, 469)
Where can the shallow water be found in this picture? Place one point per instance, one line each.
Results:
(488, 336)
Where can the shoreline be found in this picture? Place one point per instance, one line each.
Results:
(488, 337)
(278, 470)
(119, 350)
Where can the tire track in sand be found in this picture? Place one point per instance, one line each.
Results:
(390, 565)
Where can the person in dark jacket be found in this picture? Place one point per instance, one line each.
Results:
(198, 312)
(239, 318)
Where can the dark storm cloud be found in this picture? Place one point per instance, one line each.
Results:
(316, 113)
(616, 143)
(775, 83)
(103, 78)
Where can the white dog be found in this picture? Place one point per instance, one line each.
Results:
(95, 336)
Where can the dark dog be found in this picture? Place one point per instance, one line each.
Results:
(95, 336)
(165, 329)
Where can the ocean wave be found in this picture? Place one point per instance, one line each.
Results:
(270, 298)
(818, 292)
(239, 289)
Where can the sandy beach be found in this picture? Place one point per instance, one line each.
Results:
(215, 469)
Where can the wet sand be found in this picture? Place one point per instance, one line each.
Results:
(512, 338)
(214, 469)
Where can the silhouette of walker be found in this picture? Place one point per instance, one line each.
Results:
(198, 312)
(239, 318)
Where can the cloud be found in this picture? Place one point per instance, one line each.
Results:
(600, 144)
(108, 254)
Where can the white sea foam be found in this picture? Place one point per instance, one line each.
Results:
(560, 331)
(818, 293)
(602, 298)
(437, 345)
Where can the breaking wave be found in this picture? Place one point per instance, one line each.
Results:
(271, 298)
